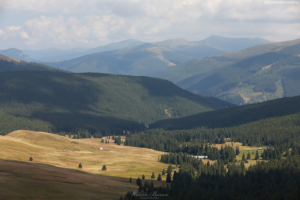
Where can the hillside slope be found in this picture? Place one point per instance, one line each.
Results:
(10, 64)
(258, 78)
(235, 116)
(139, 60)
(93, 103)
(16, 54)
(146, 58)
(56, 55)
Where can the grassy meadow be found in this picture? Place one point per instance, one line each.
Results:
(54, 171)
(244, 150)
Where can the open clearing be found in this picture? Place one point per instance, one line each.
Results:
(56, 159)
(244, 150)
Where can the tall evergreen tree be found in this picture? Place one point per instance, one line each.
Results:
(143, 177)
(153, 175)
(163, 172)
(243, 157)
(104, 168)
(80, 165)
(237, 150)
(138, 182)
(130, 179)
(159, 177)
(256, 156)
(168, 179)
(248, 156)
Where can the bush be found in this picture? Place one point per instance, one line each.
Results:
(104, 168)
(80, 165)
(30, 159)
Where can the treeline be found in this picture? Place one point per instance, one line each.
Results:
(25, 66)
(272, 180)
(227, 154)
(275, 131)
(236, 116)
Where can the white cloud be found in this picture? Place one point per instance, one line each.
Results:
(2, 32)
(14, 28)
(24, 35)
(96, 22)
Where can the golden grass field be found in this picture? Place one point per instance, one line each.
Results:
(56, 159)
(244, 150)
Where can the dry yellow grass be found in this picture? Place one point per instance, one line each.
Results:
(121, 161)
(54, 171)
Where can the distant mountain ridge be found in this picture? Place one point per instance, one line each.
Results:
(11, 64)
(232, 44)
(55, 55)
(16, 54)
(256, 74)
(144, 58)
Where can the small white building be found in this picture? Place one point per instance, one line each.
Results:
(201, 157)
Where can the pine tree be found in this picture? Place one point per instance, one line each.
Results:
(163, 172)
(130, 179)
(80, 165)
(152, 184)
(248, 156)
(30, 159)
(102, 141)
(159, 177)
(153, 175)
(237, 150)
(138, 182)
(243, 157)
(104, 168)
(169, 170)
(143, 177)
(256, 156)
(168, 179)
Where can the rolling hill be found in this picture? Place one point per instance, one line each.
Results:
(138, 60)
(232, 117)
(232, 44)
(258, 78)
(16, 54)
(55, 55)
(98, 104)
(200, 66)
(146, 58)
(11, 64)
(54, 172)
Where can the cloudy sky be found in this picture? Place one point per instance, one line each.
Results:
(40, 24)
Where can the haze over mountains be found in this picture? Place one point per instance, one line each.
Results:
(38, 97)
(237, 70)
(252, 75)
(146, 58)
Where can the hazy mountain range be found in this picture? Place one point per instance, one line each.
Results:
(237, 70)
(252, 75)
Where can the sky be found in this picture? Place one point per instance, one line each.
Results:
(65, 24)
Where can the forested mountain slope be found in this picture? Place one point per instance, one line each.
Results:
(10, 64)
(96, 103)
(235, 116)
(258, 78)
(185, 71)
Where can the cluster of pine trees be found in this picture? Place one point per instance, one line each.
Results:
(275, 179)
